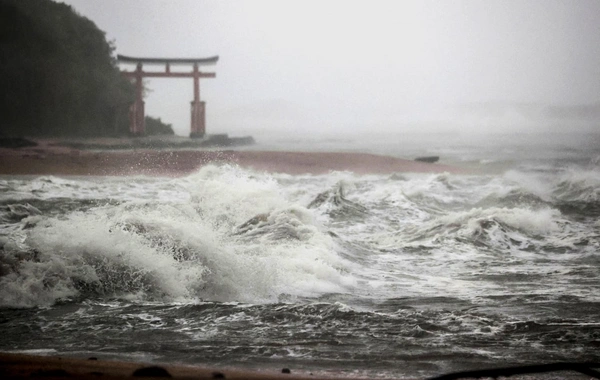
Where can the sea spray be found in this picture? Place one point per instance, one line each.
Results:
(183, 250)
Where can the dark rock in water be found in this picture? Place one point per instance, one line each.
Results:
(218, 375)
(286, 370)
(154, 371)
(15, 142)
(429, 159)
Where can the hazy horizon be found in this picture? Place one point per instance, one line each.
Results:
(320, 67)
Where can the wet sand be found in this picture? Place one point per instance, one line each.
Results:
(20, 366)
(53, 160)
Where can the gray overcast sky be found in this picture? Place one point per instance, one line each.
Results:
(343, 65)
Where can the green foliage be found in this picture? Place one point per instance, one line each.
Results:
(58, 74)
(156, 126)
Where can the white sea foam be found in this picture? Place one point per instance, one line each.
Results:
(526, 220)
(122, 188)
(183, 250)
(578, 185)
(180, 239)
(570, 184)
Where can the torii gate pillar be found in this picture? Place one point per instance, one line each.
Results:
(198, 128)
(198, 119)
(137, 120)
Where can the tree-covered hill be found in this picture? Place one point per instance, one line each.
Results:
(58, 74)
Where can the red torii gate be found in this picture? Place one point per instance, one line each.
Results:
(137, 125)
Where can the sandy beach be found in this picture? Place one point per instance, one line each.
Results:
(18, 366)
(47, 159)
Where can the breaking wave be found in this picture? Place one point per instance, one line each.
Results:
(228, 234)
(176, 251)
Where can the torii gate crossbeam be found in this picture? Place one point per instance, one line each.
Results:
(137, 125)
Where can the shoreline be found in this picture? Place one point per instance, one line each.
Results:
(18, 366)
(48, 159)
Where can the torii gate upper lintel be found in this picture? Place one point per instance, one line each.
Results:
(137, 125)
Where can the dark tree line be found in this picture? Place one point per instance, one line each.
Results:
(58, 74)
(155, 126)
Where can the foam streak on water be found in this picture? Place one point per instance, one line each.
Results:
(392, 275)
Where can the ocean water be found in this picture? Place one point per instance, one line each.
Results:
(399, 275)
